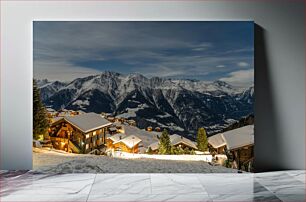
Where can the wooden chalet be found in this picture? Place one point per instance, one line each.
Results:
(105, 115)
(80, 133)
(177, 141)
(51, 113)
(149, 128)
(111, 119)
(120, 119)
(180, 141)
(237, 144)
(131, 122)
(158, 129)
(122, 142)
(114, 138)
(112, 130)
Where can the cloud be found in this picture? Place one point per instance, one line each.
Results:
(241, 78)
(60, 71)
(220, 66)
(240, 50)
(243, 64)
(202, 47)
(153, 49)
(187, 66)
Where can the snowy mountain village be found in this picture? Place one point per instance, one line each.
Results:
(102, 134)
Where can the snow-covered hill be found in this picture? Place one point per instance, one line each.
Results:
(182, 106)
(53, 161)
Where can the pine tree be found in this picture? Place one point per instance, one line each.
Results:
(202, 141)
(164, 143)
(149, 151)
(40, 121)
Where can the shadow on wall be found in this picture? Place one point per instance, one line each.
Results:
(268, 151)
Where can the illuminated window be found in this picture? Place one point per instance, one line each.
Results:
(94, 133)
(87, 135)
(87, 146)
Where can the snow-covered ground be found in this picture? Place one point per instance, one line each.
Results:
(45, 158)
(185, 157)
(60, 162)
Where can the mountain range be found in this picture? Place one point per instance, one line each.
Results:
(181, 106)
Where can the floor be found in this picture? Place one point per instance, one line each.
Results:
(272, 186)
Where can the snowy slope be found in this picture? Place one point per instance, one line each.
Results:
(51, 162)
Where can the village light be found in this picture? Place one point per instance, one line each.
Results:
(133, 144)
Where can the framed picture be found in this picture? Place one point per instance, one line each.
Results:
(143, 96)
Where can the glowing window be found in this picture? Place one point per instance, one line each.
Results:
(94, 133)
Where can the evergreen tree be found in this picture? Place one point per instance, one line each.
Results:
(192, 152)
(149, 151)
(40, 121)
(173, 150)
(164, 143)
(202, 141)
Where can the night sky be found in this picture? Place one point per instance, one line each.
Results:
(201, 50)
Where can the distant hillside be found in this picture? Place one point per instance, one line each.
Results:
(248, 120)
(181, 106)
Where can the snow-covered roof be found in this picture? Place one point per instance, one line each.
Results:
(217, 140)
(113, 129)
(154, 146)
(175, 140)
(117, 137)
(50, 110)
(87, 122)
(130, 141)
(234, 139)
(146, 136)
(62, 114)
(55, 119)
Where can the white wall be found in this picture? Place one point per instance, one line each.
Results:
(279, 71)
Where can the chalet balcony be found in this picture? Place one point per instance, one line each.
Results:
(59, 139)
